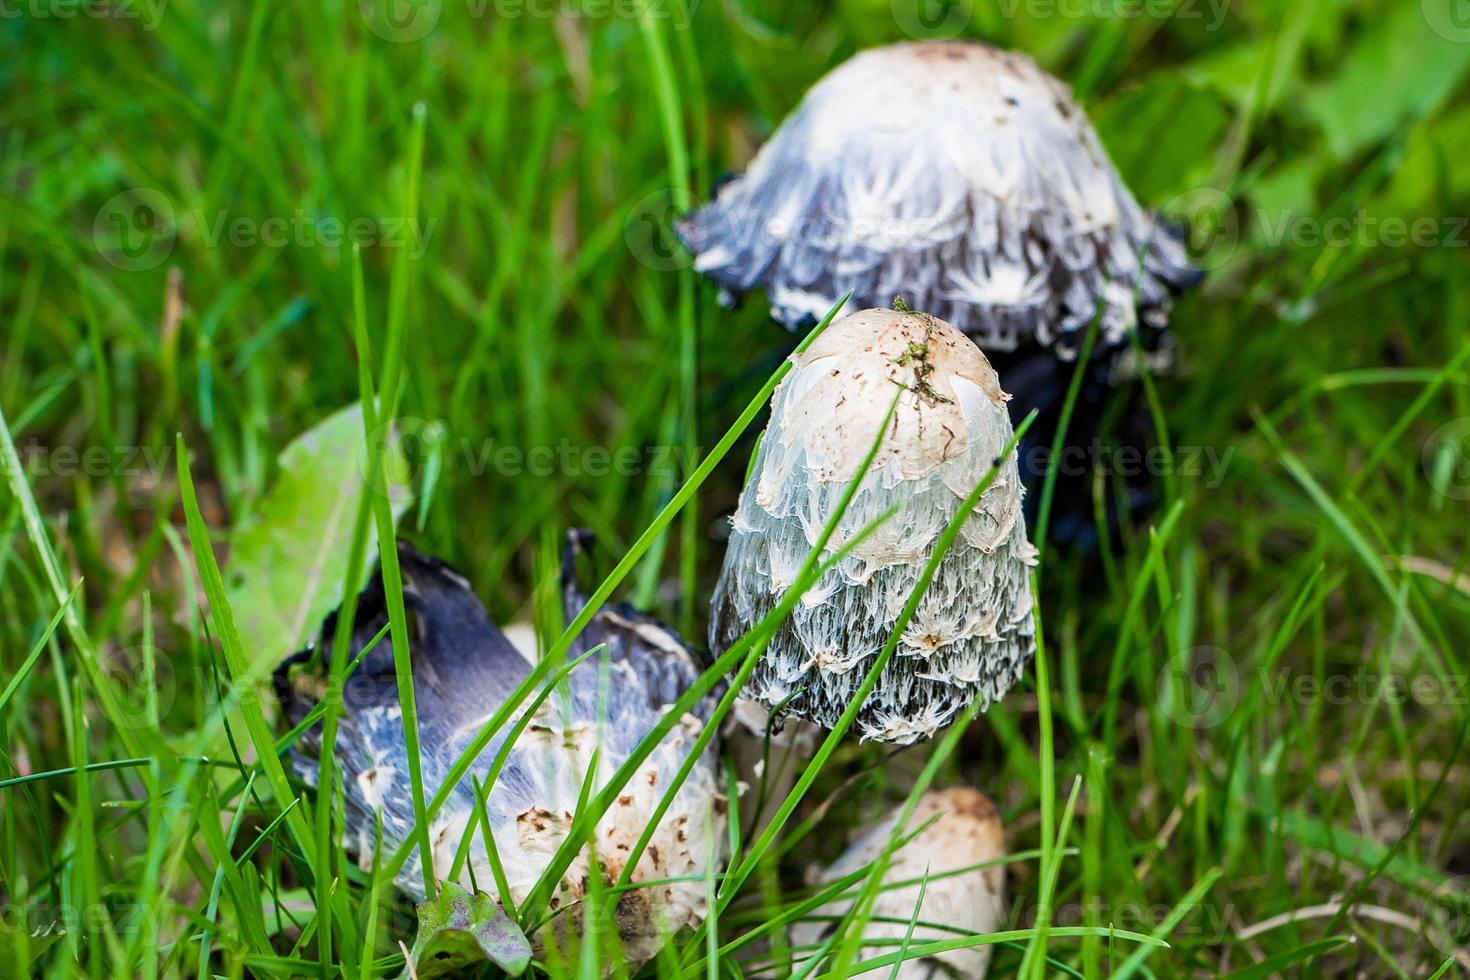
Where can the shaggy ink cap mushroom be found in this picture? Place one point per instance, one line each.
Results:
(955, 899)
(960, 175)
(464, 669)
(972, 633)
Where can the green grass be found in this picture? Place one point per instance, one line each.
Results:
(1242, 749)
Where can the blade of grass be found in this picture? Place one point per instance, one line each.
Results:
(1035, 956)
(671, 119)
(40, 647)
(1274, 966)
(235, 658)
(1182, 908)
(990, 939)
(397, 614)
(337, 669)
(1059, 438)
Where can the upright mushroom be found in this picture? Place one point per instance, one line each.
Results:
(933, 880)
(972, 633)
(464, 669)
(962, 176)
(968, 180)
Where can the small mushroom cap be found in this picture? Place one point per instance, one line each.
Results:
(960, 175)
(848, 378)
(968, 832)
(464, 669)
(972, 632)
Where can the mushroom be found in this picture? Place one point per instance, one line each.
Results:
(960, 175)
(959, 899)
(968, 180)
(972, 632)
(464, 669)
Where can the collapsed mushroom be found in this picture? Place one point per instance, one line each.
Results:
(962, 176)
(972, 633)
(464, 669)
(959, 899)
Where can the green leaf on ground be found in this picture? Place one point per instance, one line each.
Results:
(288, 561)
(458, 930)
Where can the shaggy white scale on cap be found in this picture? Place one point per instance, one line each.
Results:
(962, 176)
(972, 633)
(954, 906)
(464, 669)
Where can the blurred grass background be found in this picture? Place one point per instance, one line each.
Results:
(180, 183)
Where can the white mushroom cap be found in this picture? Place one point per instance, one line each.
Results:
(962, 176)
(972, 633)
(971, 902)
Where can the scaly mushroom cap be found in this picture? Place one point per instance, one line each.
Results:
(962, 176)
(954, 906)
(464, 668)
(972, 633)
